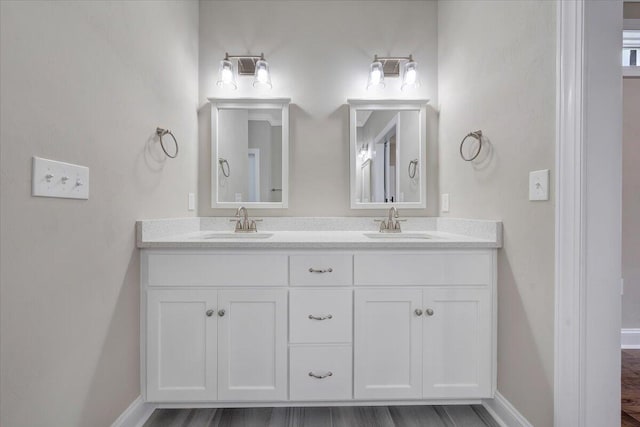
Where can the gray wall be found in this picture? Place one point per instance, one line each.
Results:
(500, 77)
(319, 53)
(631, 203)
(86, 82)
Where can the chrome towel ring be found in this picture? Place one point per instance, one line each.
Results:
(222, 163)
(412, 170)
(477, 135)
(162, 132)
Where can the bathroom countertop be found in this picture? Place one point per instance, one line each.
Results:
(318, 233)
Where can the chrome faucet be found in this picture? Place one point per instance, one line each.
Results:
(243, 224)
(392, 224)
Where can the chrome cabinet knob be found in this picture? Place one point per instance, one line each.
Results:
(429, 312)
(209, 313)
(418, 312)
(220, 313)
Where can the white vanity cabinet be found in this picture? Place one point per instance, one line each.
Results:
(456, 342)
(431, 343)
(309, 325)
(424, 325)
(388, 344)
(181, 345)
(212, 335)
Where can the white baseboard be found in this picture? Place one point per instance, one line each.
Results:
(630, 338)
(135, 415)
(504, 412)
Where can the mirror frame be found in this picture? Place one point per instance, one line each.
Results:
(419, 105)
(250, 103)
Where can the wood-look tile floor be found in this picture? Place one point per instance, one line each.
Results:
(630, 388)
(362, 416)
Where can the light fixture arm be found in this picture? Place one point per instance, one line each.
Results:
(377, 58)
(228, 57)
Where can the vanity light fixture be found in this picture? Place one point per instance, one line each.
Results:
(226, 76)
(389, 66)
(248, 65)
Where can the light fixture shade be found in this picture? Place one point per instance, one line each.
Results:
(226, 76)
(376, 75)
(410, 75)
(262, 75)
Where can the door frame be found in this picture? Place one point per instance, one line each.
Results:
(588, 208)
(256, 184)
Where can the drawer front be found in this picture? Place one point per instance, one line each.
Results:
(313, 270)
(423, 269)
(320, 373)
(320, 316)
(203, 269)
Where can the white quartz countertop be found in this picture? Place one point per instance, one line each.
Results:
(318, 233)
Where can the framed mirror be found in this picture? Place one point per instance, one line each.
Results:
(387, 144)
(250, 153)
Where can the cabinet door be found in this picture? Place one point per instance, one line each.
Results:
(457, 343)
(252, 346)
(181, 345)
(388, 344)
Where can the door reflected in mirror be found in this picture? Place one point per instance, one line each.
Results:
(388, 146)
(250, 144)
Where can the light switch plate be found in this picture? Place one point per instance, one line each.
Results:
(444, 203)
(51, 178)
(192, 201)
(539, 185)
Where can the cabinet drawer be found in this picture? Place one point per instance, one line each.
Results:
(312, 270)
(317, 316)
(320, 373)
(206, 269)
(434, 268)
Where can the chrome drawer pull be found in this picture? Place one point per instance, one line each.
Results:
(328, 316)
(324, 270)
(328, 374)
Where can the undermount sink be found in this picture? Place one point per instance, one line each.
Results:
(232, 235)
(398, 235)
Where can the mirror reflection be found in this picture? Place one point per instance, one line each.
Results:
(249, 154)
(388, 147)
